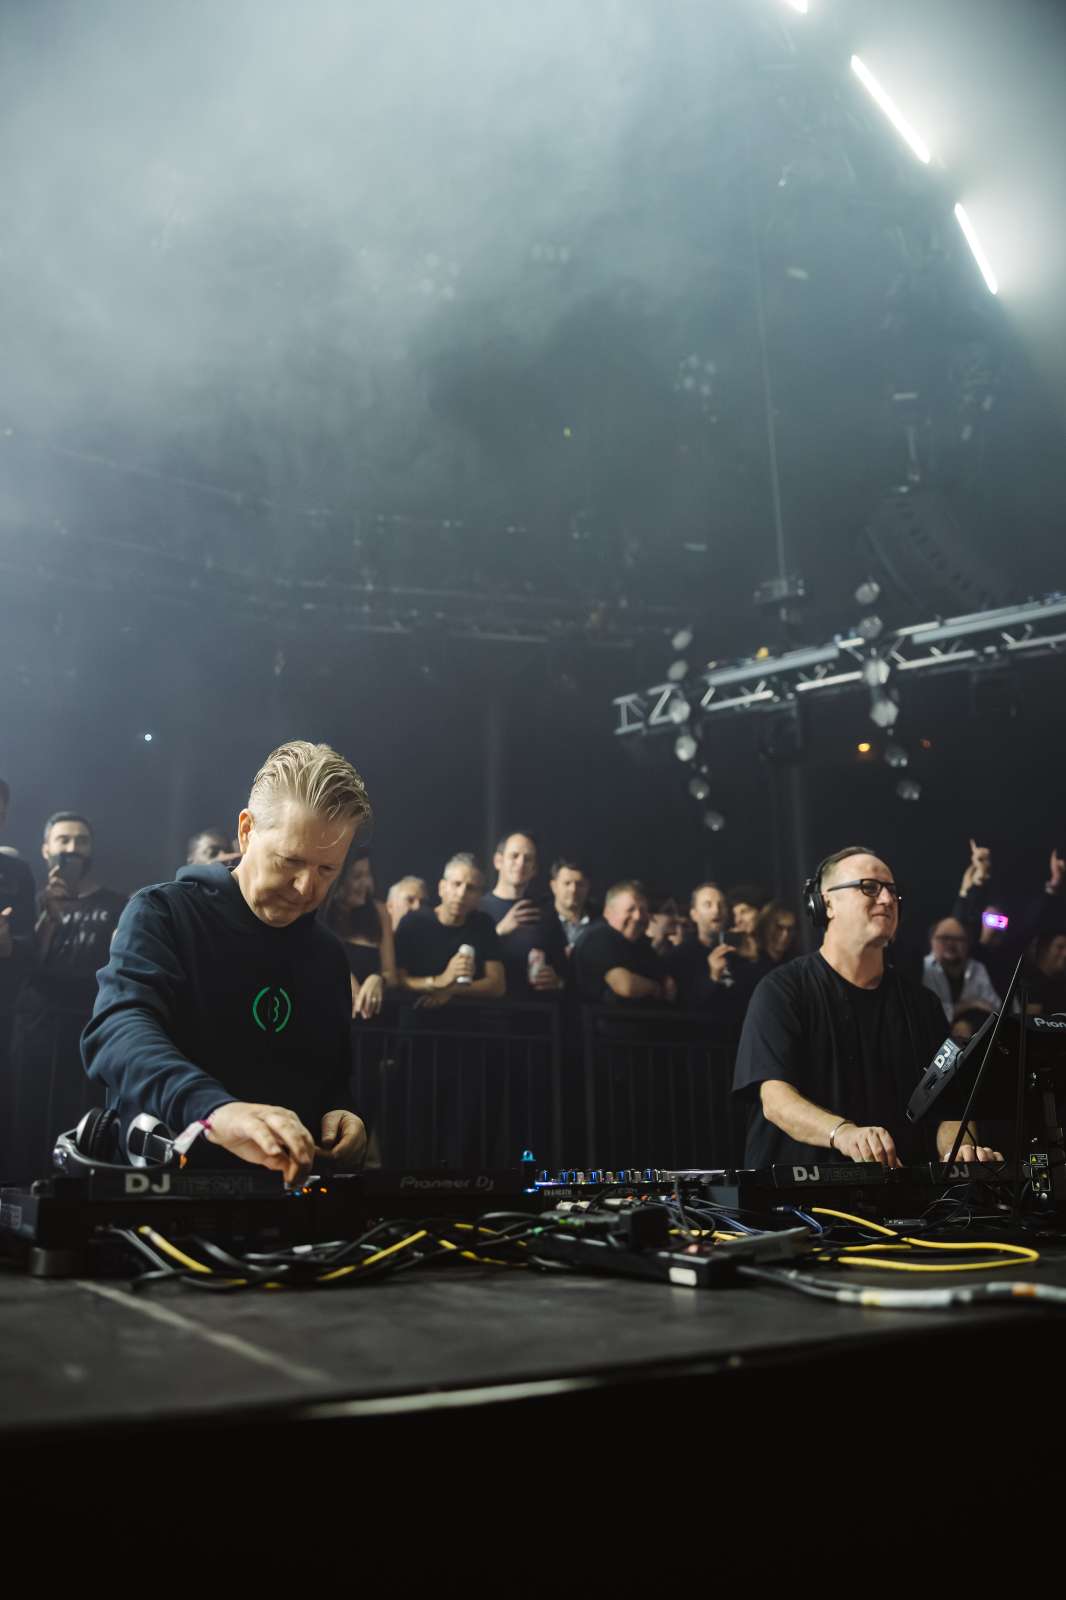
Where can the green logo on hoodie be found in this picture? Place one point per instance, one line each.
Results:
(272, 1009)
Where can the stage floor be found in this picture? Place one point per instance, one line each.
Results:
(89, 1355)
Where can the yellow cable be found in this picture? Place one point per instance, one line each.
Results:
(173, 1251)
(1021, 1252)
(469, 1255)
(854, 1248)
(379, 1255)
(857, 1253)
(1013, 1253)
(924, 1266)
(862, 1222)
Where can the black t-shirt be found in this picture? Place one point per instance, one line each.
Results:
(16, 891)
(602, 947)
(546, 935)
(424, 945)
(856, 1052)
(64, 980)
(697, 990)
(363, 959)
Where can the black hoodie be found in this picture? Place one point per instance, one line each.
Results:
(201, 1003)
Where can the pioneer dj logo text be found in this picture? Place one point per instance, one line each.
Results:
(482, 1181)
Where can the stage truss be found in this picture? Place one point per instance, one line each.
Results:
(983, 638)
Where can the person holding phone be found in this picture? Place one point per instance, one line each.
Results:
(532, 942)
(17, 893)
(76, 918)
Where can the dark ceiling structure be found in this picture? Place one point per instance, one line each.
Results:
(585, 366)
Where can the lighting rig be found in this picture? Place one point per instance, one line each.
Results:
(868, 659)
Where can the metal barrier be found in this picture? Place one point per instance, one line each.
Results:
(460, 1086)
(658, 1091)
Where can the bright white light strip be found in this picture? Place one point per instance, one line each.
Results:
(975, 245)
(798, 5)
(888, 106)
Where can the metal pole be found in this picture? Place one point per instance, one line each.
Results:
(494, 758)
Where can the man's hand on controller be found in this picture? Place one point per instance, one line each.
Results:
(866, 1144)
(975, 1152)
(267, 1136)
(343, 1138)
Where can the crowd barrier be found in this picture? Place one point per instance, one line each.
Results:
(575, 1086)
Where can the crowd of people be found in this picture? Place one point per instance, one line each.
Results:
(481, 938)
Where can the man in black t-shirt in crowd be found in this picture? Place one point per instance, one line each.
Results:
(570, 886)
(210, 845)
(712, 975)
(613, 961)
(76, 918)
(834, 1043)
(16, 957)
(428, 943)
(534, 949)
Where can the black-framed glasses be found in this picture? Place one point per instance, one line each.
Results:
(871, 887)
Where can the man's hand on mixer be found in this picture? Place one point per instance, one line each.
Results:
(867, 1144)
(343, 1138)
(267, 1136)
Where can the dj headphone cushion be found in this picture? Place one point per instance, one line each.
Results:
(98, 1133)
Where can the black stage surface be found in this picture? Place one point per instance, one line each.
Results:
(88, 1361)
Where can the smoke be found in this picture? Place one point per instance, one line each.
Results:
(302, 251)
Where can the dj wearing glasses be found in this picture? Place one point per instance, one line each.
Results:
(835, 1042)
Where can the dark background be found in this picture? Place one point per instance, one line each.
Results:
(354, 373)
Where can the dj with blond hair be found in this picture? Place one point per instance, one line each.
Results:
(225, 1001)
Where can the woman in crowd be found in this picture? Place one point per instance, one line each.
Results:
(364, 928)
(775, 935)
(747, 902)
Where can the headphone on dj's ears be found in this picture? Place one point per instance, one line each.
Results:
(814, 902)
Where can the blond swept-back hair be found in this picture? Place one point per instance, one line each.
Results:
(313, 775)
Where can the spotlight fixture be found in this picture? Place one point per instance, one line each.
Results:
(699, 788)
(876, 672)
(148, 738)
(713, 820)
(864, 747)
(884, 708)
(685, 747)
(896, 756)
(677, 670)
(890, 109)
(679, 711)
(682, 639)
(908, 789)
(870, 628)
(868, 593)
